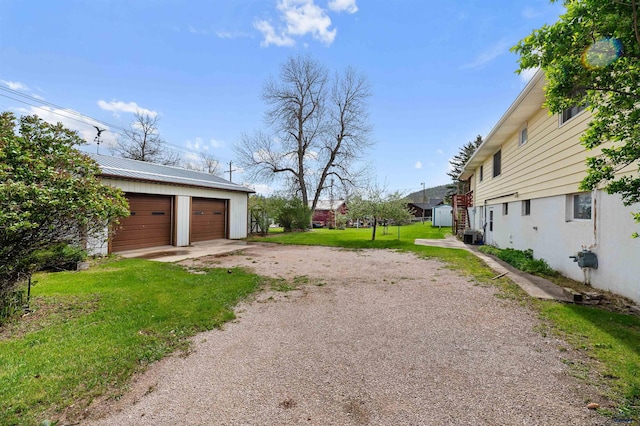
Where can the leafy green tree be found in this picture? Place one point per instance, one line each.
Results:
(591, 58)
(460, 159)
(376, 206)
(49, 194)
(290, 213)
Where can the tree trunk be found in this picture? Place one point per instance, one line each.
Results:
(375, 224)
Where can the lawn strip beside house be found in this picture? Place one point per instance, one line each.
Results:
(103, 325)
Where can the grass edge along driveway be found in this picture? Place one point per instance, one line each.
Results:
(97, 328)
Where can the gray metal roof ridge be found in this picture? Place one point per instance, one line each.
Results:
(181, 175)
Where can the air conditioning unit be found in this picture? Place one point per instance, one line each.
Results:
(470, 236)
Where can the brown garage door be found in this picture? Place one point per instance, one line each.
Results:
(208, 219)
(149, 224)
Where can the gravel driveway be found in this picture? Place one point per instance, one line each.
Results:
(371, 337)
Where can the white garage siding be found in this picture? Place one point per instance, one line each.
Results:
(237, 202)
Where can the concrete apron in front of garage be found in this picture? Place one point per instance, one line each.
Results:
(176, 254)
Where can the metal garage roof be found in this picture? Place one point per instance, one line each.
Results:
(141, 170)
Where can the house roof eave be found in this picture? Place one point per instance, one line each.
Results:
(528, 102)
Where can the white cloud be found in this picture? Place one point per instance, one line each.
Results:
(216, 143)
(40, 98)
(305, 17)
(418, 165)
(439, 151)
(232, 34)
(526, 75)
(491, 53)
(300, 18)
(119, 106)
(14, 85)
(195, 145)
(270, 36)
(86, 129)
(224, 34)
(343, 6)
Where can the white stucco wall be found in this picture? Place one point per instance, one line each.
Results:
(554, 238)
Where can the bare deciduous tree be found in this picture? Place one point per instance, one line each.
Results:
(318, 129)
(207, 164)
(142, 142)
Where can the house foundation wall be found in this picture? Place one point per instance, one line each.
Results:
(553, 236)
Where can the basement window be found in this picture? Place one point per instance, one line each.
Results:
(580, 206)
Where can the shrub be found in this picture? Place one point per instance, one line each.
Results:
(60, 257)
(11, 303)
(294, 216)
(521, 259)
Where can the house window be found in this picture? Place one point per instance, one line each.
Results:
(569, 113)
(526, 208)
(524, 136)
(481, 173)
(505, 209)
(497, 163)
(582, 206)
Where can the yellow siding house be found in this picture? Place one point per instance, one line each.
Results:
(524, 182)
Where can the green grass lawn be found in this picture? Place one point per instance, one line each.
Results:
(92, 330)
(97, 327)
(610, 343)
(359, 237)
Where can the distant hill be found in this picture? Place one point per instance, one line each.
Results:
(435, 192)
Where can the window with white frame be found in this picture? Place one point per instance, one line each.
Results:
(524, 136)
(571, 112)
(581, 206)
(505, 209)
(526, 208)
(497, 163)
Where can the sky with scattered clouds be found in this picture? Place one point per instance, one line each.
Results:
(441, 72)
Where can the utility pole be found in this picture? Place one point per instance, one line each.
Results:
(424, 201)
(331, 210)
(230, 171)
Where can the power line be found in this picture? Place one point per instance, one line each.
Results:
(113, 128)
(58, 113)
(51, 104)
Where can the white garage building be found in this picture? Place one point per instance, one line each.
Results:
(171, 206)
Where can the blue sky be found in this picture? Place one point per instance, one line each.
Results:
(441, 71)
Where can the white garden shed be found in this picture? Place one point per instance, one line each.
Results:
(442, 216)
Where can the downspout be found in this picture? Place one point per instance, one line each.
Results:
(595, 219)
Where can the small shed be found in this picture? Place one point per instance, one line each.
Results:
(442, 216)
